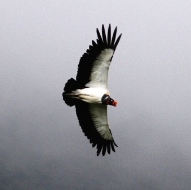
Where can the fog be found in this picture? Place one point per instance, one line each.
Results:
(42, 144)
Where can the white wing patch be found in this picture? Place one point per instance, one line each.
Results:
(99, 73)
(99, 117)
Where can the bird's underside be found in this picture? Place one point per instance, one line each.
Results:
(89, 92)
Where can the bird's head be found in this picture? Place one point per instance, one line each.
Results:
(107, 100)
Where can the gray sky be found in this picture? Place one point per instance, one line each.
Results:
(42, 145)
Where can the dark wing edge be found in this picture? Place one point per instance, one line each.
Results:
(89, 130)
(88, 58)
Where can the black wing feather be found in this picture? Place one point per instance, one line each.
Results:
(86, 62)
(103, 35)
(109, 36)
(117, 41)
(104, 148)
(87, 125)
(98, 35)
(114, 36)
(108, 147)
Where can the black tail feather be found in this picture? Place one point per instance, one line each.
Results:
(70, 86)
(69, 100)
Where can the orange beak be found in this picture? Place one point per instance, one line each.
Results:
(115, 103)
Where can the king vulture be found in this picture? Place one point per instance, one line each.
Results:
(89, 92)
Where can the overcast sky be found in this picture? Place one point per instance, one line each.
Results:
(42, 144)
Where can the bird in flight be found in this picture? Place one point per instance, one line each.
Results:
(89, 92)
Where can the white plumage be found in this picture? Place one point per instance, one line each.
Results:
(101, 65)
(91, 95)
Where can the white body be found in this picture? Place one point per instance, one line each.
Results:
(91, 95)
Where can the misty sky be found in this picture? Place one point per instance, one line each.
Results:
(42, 144)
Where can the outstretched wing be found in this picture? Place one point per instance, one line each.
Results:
(94, 64)
(94, 124)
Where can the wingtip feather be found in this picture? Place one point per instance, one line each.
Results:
(109, 36)
(99, 35)
(117, 41)
(104, 35)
